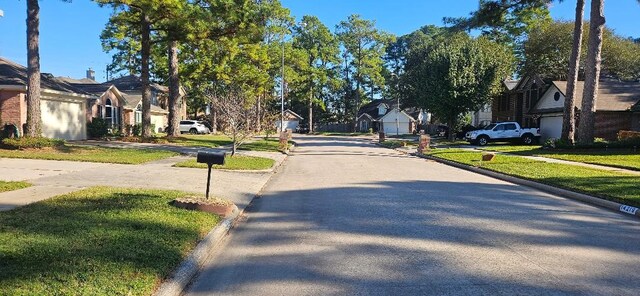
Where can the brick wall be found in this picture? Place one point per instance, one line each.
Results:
(13, 108)
(609, 123)
(497, 114)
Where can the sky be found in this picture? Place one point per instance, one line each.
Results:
(70, 42)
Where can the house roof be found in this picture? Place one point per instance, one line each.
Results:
(77, 81)
(16, 75)
(371, 108)
(133, 83)
(612, 95)
(294, 114)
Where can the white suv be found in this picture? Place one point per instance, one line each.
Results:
(193, 127)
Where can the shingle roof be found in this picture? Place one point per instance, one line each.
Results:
(371, 108)
(132, 102)
(612, 95)
(15, 74)
(131, 83)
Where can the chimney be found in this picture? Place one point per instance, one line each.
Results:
(91, 74)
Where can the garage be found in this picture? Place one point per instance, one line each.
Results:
(550, 127)
(403, 127)
(63, 118)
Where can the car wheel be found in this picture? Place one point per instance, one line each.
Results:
(527, 139)
(193, 131)
(483, 140)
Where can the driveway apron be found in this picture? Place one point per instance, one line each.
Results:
(345, 217)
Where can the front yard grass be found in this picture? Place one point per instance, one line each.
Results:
(90, 154)
(208, 141)
(266, 145)
(396, 143)
(622, 158)
(97, 241)
(614, 186)
(12, 185)
(237, 162)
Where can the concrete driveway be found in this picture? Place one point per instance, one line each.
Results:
(347, 218)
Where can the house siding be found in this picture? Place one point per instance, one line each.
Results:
(608, 124)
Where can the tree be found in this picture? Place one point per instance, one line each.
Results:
(569, 116)
(33, 69)
(364, 47)
(236, 112)
(321, 51)
(505, 21)
(460, 75)
(592, 73)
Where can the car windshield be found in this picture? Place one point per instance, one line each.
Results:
(490, 127)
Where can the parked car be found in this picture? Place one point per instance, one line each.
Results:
(503, 131)
(193, 127)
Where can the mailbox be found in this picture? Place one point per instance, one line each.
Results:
(211, 157)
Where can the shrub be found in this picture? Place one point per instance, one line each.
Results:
(97, 128)
(33, 143)
(9, 131)
(625, 135)
(136, 130)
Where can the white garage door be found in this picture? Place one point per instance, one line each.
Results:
(550, 127)
(63, 120)
(390, 128)
(159, 122)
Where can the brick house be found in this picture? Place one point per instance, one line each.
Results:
(617, 108)
(62, 106)
(517, 99)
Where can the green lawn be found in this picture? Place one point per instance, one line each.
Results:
(90, 154)
(98, 241)
(209, 141)
(238, 162)
(270, 145)
(341, 134)
(12, 185)
(610, 185)
(622, 158)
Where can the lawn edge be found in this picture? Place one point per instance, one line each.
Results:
(190, 267)
(586, 198)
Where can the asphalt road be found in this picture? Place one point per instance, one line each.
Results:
(344, 217)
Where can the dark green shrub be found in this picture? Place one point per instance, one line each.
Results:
(136, 130)
(31, 143)
(97, 128)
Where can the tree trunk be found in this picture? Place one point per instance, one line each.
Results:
(452, 134)
(258, 113)
(235, 144)
(146, 88)
(569, 116)
(33, 128)
(311, 111)
(214, 120)
(357, 104)
(174, 90)
(592, 73)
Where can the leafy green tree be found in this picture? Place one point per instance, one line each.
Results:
(364, 47)
(320, 50)
(460, 75)
(505, 21)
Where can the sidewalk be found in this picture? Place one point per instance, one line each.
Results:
(51, 178)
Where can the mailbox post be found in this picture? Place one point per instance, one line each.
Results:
(210, 158)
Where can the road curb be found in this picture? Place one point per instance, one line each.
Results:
(611, 205)
(189, 268)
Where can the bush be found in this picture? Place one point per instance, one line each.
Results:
(625, 135)
(136, 130)
(9, 131)
(31, 143)
(97, 128)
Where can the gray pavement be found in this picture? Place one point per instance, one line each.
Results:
(51, 178)
(346, 218)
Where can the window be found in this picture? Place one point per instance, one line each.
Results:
(100, 114)
(510, 126)
(108, 111)
(138, 114)
(556, 96)
(382, 110)
(499, 128)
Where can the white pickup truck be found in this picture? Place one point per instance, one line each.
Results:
(503, 131)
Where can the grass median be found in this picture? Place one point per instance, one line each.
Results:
(89, 154)
(97, 241)
(621, 158)
(237, 162)
(12, 185)
(609, 185)
(208, 141)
